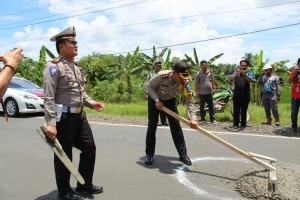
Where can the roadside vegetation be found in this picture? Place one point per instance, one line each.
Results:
(119, 80)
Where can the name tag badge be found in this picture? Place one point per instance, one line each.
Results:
(78, 110)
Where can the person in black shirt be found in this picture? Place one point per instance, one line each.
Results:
(241, 95)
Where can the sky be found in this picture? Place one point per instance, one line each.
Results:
(232, 27)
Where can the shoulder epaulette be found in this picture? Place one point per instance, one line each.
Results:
(55, 60)
(165, 75)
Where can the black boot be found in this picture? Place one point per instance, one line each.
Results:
(69, 196)
(149, 160)
(186, 160)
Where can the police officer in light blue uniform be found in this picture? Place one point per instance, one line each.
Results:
(66, 121)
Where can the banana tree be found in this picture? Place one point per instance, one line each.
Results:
(33, 70)
(148, 60)
(194, 64)
(127, 68)
(258, 64)
(219, 78)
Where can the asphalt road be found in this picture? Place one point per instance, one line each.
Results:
(26, 163)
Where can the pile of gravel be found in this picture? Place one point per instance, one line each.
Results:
(254, 184)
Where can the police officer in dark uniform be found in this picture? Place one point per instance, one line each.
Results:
(64, 99)
(162, 90)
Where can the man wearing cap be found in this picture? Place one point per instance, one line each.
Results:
(295, 79)
(162, 90)
(66, 121)
(271, 94)
(157, 67)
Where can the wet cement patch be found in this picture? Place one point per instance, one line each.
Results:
(254, 184)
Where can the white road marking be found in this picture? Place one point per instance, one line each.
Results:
(181, 177)
(214, 132)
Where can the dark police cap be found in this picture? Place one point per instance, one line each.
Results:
(67, 34)
(183, 69)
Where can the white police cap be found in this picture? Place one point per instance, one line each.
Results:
(69, 34)
(267, 66)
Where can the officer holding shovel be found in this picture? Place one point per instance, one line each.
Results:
(162, 90)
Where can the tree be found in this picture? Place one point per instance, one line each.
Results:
(126, 68)
(195, 64)
(96, 66)
(258, 63)
(148, 61)
(33, 70)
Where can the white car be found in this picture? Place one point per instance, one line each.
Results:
(21, 97)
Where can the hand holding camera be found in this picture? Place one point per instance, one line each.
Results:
(12, 58)
(243, 71)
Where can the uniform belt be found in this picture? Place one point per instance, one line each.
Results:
(68, 109)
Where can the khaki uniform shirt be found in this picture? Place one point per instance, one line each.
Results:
(163, 87)
(63, 84)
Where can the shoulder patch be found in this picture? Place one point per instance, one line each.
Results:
(52, 70)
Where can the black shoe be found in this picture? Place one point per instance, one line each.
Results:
(246, 126)
(93, 189)
(149, 160)
(233, 127)
(186, 160)
(202, 121)
(165, 124)
(69, 196)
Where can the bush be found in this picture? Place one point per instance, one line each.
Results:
(116, 91)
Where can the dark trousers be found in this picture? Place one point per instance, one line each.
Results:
(175, 128)
(74, 130)
(295, 110)
(163, 117)
(240, 107)
(207, 98)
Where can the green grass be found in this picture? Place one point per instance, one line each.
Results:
(139, 110)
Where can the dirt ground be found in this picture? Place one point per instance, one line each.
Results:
(220, 126)
(253, 184)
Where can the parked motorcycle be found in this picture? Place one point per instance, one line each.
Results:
(220, 101)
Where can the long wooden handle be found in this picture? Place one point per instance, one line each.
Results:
(221, 141)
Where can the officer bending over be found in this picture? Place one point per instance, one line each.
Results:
(162, 90)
